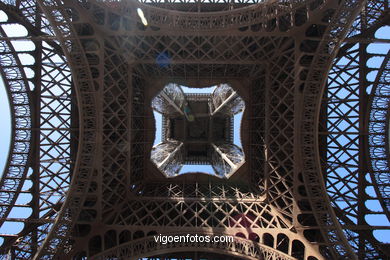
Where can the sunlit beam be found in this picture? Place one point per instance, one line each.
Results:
(142, 16)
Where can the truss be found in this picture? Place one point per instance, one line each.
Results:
(316, 129)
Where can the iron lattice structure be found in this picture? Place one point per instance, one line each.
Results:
(197, 130)
(315, 128)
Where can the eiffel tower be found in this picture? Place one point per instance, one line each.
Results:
(86, 177)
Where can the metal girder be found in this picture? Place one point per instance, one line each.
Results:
(281, 51)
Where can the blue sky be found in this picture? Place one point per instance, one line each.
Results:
(6, 132)
(198, 168)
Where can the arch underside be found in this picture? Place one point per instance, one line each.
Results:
(279, 56)
(147, 247)
(36, 177)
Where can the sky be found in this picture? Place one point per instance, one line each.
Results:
(5, 131)
(187, 168)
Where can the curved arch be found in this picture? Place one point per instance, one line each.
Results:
(378, 118)
(347, 150)
(147, 247)
(50, 95)
(260, 13)
(326, 50)
(84, 175)
(17, 88)
(60, 20)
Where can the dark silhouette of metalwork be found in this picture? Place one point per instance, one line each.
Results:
(198, 130)
(314, 129)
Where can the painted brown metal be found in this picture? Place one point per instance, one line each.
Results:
(96, 193)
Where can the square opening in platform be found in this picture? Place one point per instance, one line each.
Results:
(197, 128)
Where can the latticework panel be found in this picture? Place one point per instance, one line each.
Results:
(168, 157)
(279, 142)
(116, 126)
(226, 158)
(170, 100)
(164, 214)
(203, 6)
(220, 166)
(225, 100)
(138, 132)
(257, 151)
(301, 193)
(378, 136)
(269, 16)
(75, 52)
(240, 247)
(346, 107)
(46, 72)
(17, 87)
(321, 61)
(160, 208)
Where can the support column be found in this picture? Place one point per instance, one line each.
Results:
(227, 156)
(168, 157)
